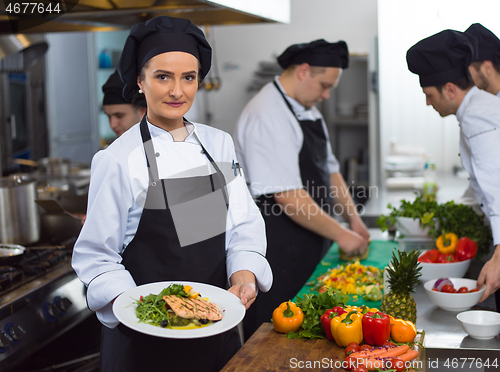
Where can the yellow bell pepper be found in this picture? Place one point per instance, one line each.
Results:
(447, 243)
(347, 328)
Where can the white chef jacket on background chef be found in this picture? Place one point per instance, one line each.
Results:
(116, 199)
(479, 117)
(253, 134)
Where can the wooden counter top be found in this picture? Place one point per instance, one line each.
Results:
(268, 350)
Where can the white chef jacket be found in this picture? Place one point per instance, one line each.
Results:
(119, 183)
(479, 117)
(268, 140)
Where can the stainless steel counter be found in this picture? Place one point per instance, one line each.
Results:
(447, 347)
(442, 329)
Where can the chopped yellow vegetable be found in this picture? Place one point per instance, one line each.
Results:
(352, 278)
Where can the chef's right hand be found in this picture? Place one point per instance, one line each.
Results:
(352, 243)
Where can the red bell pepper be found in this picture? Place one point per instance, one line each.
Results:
(327, 317)
(466, 249)
(376, 328)
(429, 256)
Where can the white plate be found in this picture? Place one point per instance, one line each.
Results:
(234, 311)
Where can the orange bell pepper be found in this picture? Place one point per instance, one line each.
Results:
(287, 317)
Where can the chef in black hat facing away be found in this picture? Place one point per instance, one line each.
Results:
(441, 61)
(282, 142)
(166, 203)
(485, 66)
(122, 113)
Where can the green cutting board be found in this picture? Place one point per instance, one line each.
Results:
(379, 256)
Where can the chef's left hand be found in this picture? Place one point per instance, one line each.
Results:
(243, 287)
(490, 275)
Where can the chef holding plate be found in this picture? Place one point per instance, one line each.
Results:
(167, 204)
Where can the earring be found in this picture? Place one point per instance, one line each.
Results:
(140, 91)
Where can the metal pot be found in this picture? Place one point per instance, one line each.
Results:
(19, 215)
(11, 253)
(54, 166)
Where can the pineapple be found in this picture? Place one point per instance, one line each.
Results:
(402, 276)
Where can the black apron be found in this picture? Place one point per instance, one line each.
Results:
(163, 250)
(293, 251)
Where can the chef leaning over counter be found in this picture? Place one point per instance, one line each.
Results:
(282, 142)
(165, 204)
(441, 61)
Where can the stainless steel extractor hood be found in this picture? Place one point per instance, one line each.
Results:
(107, 15)
(19, 52)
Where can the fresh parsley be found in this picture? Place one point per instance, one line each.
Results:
(313, 306)
(448, 217)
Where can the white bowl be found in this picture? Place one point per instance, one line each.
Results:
(480, 324)
(411, 228)
(432, 271)
(454, 301)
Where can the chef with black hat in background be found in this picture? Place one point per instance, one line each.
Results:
(283, 145)
(122, 113)
(166, 204)
(485, 66)
(441, 61)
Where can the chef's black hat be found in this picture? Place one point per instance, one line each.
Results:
(441, 58)
(156, 36)
(488, 44)
(316, 53)
(113, 92)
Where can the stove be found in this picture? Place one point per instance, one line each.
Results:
(40, 299)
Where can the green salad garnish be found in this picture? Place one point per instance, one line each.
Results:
(151, 309)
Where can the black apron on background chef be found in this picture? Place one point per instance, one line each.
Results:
(290, 135)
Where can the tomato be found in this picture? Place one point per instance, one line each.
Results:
(349, 363)
(435, 289)
(463, 290)
(353, 344)
(448, 288)
(365, 347)
(474, 290)
(429, 256)
(389, 343)
(360, 368)
(351, 349)
(396, 364)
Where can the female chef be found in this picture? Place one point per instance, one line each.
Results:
(167, 203)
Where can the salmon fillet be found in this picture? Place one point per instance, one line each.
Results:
(193, 308)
